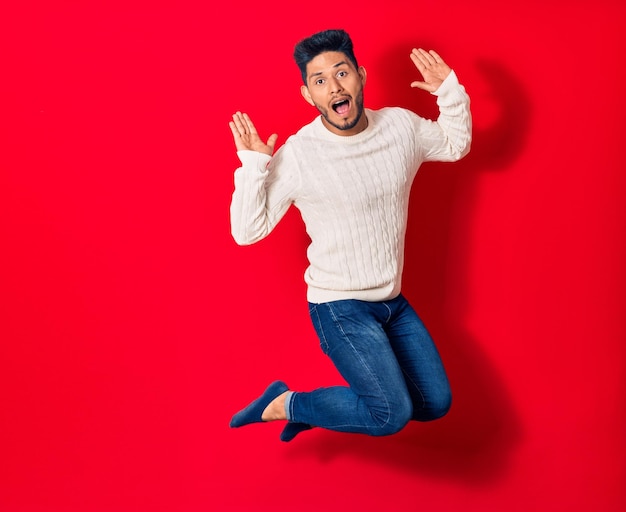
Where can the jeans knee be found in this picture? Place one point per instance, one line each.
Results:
(444, 404)
(437, 408)
(441, 411)
(398, 415)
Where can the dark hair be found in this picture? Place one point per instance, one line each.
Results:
(325, 41)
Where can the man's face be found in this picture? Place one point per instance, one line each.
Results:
(335, 87)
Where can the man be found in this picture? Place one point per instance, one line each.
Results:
(349, 172)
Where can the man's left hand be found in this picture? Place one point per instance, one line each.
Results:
(432, 67)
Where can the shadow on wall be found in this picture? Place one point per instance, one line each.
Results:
(475, 440)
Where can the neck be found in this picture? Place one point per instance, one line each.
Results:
(360, 126)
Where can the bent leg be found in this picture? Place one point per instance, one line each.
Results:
(376, 400)
(419, 359)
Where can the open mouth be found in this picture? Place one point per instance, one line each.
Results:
(341, 107)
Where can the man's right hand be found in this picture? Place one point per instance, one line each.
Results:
(246, 136)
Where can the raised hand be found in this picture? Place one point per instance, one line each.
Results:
(246, 136)
(432, 67)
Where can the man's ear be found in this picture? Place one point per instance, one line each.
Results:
(304, 90)
(362, 74)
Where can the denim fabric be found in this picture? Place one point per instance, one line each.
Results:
(389, 361)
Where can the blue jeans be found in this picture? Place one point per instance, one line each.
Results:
(389, 361)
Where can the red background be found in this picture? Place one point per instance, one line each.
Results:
(132, 327)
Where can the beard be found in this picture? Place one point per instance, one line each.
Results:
(346, 125)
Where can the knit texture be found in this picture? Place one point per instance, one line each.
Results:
(352, 193)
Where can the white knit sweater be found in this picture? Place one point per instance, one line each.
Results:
(352, 193)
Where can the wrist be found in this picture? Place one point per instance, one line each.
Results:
(253, 159)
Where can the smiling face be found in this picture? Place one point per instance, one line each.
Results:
(335, 87)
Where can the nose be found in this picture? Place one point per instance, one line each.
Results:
(335, 86)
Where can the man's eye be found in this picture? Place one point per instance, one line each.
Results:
(319, 81)
(341, 74)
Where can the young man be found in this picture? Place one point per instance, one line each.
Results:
(349, 172)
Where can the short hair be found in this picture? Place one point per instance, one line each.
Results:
(326, 41)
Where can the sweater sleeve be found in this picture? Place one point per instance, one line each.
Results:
(449, 138)
(264, 188)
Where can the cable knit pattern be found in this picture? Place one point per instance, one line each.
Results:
(352, 192)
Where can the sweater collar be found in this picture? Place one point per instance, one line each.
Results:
(325, 133)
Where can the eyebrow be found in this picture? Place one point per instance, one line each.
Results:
(334, 66)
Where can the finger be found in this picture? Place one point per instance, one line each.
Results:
(423, 55)
(436, 56)
(271, 142)
(422, 59)
(239, 123)
(234, 129)
(249, 124)
(422, 85)
(237, 137)
(419, 64)
(416, 56)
